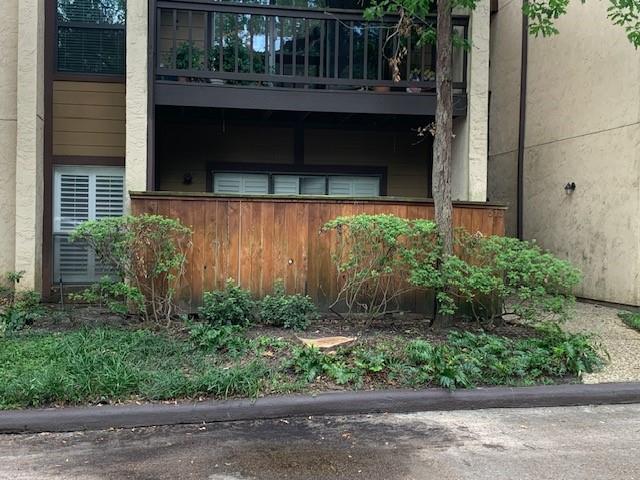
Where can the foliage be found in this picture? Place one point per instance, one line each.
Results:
(374, 255)
(107, 364)
(631, 319)
(231, 306)
(496, 276)
(119, 297)
(223, 338)
(104, 364)
(17, 307)
(148, 254)
(288, 311)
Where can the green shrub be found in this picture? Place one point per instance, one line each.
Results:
(119, 297)
(222, 338)
(18, 307)
(374, 256)
(148, 255)
(231, 306)
(631, 319)
(288, 311)
(517, 276)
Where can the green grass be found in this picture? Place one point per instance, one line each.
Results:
(111, 364)
(90, 366)
(631, 319)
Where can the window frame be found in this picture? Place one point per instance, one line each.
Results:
(301, 171)
(84, 76)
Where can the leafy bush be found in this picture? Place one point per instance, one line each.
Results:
(119, 297)
(231, 306)
(17, 307)
(288, 311)
(223, 338)
(496, 276)
(148, 254)
(374, 256)
(631, 319)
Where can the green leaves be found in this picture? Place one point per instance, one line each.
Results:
(288, 311)
(231, 306)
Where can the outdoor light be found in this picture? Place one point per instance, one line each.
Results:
(187, 179)
(570, 187)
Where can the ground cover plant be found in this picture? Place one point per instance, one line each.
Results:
(631, 319)
(113, 364)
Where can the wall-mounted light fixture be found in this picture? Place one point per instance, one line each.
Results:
(570, 187)
(187, 179)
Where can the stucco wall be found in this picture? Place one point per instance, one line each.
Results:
(8, 128)
(469, 157)
(137, 98)
(583, 114)
(29, 142)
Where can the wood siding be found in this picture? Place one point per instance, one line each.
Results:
(258, 240)
(88, 119)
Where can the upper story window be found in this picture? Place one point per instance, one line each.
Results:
(91, 36)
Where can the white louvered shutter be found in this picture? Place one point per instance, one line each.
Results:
(242, 183)
(286, 184)
(80, 194)
(354, 186)
(313, 185)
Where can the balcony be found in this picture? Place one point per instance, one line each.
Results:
(226, 55)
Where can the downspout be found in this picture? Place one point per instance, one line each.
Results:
(522, 123)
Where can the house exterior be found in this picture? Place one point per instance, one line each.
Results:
(581, 126)
(262, 101)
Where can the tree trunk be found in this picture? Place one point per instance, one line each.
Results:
(441, 175)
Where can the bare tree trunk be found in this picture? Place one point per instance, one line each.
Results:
(443, 137)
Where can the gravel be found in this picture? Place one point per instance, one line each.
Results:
(621, 342)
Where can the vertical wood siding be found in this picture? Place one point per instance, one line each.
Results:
(259, 240)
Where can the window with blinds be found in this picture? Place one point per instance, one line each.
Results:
(80, 194)
(91, 36)
(289, 184)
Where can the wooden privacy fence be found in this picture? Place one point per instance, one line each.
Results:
(258, 240)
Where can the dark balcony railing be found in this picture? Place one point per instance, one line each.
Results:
(266, 46)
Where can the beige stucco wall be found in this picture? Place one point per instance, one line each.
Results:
(583, 126)
(8, 128)
(29, 142)
(137, 97)
(469, 156)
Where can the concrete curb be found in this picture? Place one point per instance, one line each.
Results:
(342, 403)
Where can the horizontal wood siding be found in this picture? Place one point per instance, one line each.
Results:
(257, 241)
(88, 119)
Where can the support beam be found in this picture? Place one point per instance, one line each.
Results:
(137, 102)
(29, 143)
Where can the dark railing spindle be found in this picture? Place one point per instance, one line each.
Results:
(236, 44)
(174, 39)
(282, 46)
(221, 55)
(351, 50)
(207, 40)
(306, 47)
(250, 44)
(294, 45)
(365, 73)
(408, 57)
(336, 51)
(190, 22)
(380, 45)
(322, 40)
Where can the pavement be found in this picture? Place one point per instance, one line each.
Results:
(621, 342)
(536, 443)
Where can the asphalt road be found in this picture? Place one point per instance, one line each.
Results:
(550, 443)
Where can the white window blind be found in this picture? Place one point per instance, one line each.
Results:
(80, 194)
(242, 183)
(354, 186)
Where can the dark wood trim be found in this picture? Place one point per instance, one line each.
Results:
(47, 199)
(301, 169)
(308, 100)
(524, 49)
(151, 106)
(89, 77)
(85, 160)
(309, 198)
(298, 143)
